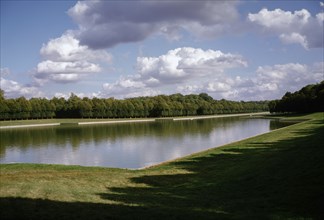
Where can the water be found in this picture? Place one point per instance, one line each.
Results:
(127, 145)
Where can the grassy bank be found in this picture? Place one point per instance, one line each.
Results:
(278, 175)
(100, 120)
(49, 121)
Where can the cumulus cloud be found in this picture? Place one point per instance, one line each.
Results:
(274, 81)
(221, 87)
(67, 95)
(68, 49)
(175, 68)
(268, 82)
(294, 38)
(292, 27)
(66, 60)
(14, 89)
(279, 73)
(186, 63)
(193, 70)
(280, 20)
(127, 87)
(103, 24)
(50, 67)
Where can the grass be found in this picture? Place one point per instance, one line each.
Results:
(49, 121)
(76, 120)
(278, 175)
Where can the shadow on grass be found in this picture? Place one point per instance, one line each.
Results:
(262, 180)
(23, 208)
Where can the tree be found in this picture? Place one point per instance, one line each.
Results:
(157, 106)
(308, 99)
(24, 108)
(99, 108)
(60, 107)
(36, 108)
(2, 97)
(206, 97)
(14, 109)
(85, 108)
(4, 109)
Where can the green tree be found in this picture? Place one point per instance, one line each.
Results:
(24, 108)
(98, 107)
(85, 108)
(4, 109)
(60, 107)
(307, 99)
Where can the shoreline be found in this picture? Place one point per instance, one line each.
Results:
(117, 121)
(194, 153)
(212, 148)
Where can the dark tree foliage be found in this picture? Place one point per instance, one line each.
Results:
(157, 106)
(309, 99)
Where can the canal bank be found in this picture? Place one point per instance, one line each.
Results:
(57, 122)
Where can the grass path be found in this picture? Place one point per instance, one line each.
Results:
(278, 175)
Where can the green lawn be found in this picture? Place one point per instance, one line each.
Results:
(50, 121)
(278, 175)
(76, 120)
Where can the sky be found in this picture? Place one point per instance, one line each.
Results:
(235, 50)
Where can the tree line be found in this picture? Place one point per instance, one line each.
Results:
(308, 99)
(157, 106)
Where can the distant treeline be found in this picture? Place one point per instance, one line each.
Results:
(157, 106)
(309, 99)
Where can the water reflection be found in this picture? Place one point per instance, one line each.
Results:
(130, 145)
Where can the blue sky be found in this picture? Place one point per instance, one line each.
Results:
(237, 50)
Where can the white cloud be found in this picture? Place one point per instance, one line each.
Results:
(176, 68)
(268, 82)
(291, 27)
(294, 38)
(68, 61)
(14, 89)
(80, 95)
(221, 87)
(128, 87)
(64, 78)
(68, 49)
(320, 17)
(291, 72)
(183, 64)
(51, 67)
(218, 87)
(188, 89)
(193, 70)
(280, 20)
(103, 24)
(274, 81)
(125, 83)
